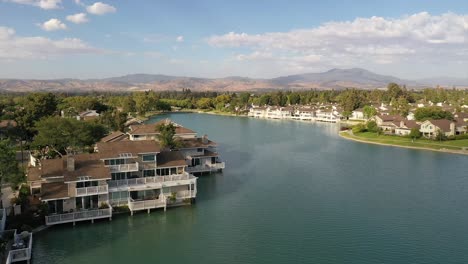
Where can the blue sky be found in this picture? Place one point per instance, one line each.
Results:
(86, 39)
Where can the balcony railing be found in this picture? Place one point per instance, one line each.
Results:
(78, 216)
(151, 181)
(23, 254)
(147, 204)
(207, 167)
(93, 190)
(124, 167)
(186, 194)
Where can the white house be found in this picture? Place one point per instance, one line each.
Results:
(430, 128)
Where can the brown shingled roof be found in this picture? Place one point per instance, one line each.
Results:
(197, 143)
(170, 159)
(114, 136)
(85, 165)
(113, 149)
(54, 190)
(443, 124)
(151, 128)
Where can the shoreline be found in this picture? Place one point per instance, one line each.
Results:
(443, 150)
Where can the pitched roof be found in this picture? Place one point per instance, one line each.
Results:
(197, 143)
(114, 136)
(151, 128)
(443, 124)
(85, 165)
(389, 118)
(113, 149)
(170, 159)
(54, 190)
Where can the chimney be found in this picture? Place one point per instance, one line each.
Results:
(205, 139)
(402, 123)
(70, 163)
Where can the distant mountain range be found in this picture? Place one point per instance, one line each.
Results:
(332, 79)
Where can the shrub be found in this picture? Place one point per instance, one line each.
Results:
(415, 133)
(359, 128)
(372, 127)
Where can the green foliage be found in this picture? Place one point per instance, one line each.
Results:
(440, 136)
(359, 128)
(61, 134)
(372, 127)
(351, 99)
(114, 120)
(204, 103)
(166, 135)
(415, 133)
(369, 111)
(433, 112)
(9, 170)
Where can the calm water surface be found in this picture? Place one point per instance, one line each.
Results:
(292, 192)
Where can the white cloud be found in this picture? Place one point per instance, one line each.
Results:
(99, 8)
(53, 24)
(44, 4)
(180, 39)
(78, 2)
(375, 40)
(79, 18)
(16, 47)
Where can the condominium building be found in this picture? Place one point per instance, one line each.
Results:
(138, 174)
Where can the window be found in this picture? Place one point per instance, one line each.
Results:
(149, 173)
(199, 150)
(149, 157)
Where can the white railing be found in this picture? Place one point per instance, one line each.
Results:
(146, 204)
(22, 254)
(124, 167)
(185, 194)
(100, 189)
(3, 219)
(149, 180)
(207, 167)
(78, 216)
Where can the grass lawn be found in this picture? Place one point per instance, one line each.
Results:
(403, 141)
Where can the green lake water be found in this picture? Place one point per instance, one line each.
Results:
(292, 192)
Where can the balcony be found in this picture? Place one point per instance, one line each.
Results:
(124, 167)
(152, 182)
(147, 204)
(207, 167)
(79, 216)
(93, 190)
(21, 254)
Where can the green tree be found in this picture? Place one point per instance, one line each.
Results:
(204, 103)
(62, 135)
(432, 112)
(166, 135)
(369, 111)
(9, 171)
(294, 98)
(372, 127)
(359, 128)
(440, 136)
(415, 133)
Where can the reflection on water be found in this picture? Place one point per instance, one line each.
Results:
(292, 192)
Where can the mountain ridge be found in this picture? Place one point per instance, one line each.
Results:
(331, 79)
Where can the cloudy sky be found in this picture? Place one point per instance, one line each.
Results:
(203, 38)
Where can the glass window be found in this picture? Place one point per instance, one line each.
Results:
(149, 173)
(149, 157)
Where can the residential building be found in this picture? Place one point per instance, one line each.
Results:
(88, 115)
(405, 126)
(150, 132)
(430, 128)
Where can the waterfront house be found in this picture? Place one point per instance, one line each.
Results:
(137, 174)
(358, 114)
(405, 126)
(324, 115)
(388, 123)
(258, 112)
(150, 131)
(430, 128)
